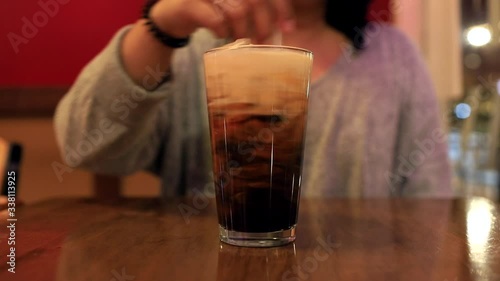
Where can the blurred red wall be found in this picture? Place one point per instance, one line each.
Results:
(380, 11)
(69, 38)
(66, 34)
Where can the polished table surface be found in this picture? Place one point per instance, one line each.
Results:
(142, 239)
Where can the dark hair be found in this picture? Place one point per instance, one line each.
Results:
(349, 17)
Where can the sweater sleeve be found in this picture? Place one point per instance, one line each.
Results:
(108, 124)
(421, 167)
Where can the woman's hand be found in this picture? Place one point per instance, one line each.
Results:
(256, 19)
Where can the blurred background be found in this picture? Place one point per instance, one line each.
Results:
(45, 43)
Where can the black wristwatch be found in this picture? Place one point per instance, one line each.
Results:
(163, 37)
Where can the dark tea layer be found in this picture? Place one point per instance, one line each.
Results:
(257, 160)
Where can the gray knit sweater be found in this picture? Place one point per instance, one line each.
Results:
(373, 125)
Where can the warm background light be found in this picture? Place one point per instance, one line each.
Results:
(478, 36)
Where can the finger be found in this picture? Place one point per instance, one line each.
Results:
(209, 16)
(236, 13)
(263, 19)
(285, 14)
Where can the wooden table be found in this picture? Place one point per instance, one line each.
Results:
(141, 239)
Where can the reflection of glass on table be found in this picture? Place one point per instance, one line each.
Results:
(235, 263)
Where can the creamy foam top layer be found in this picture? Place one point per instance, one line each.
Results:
(243, 58)
(254, 79)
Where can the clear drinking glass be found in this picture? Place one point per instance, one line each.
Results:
(257, 104)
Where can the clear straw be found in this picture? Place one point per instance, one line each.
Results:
(277, 38)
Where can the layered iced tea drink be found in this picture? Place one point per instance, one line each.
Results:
(257, 105)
